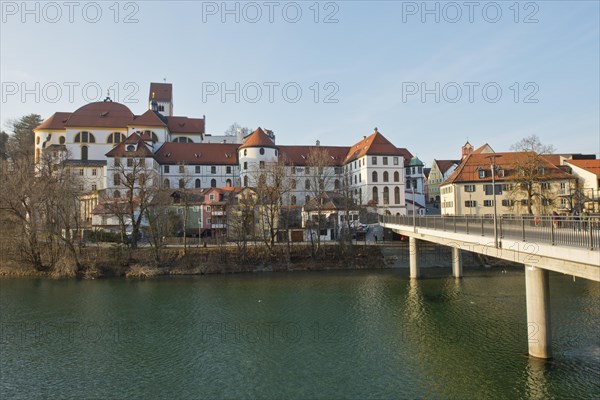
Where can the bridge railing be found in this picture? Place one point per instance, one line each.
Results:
(581, 232)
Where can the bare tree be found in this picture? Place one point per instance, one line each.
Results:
(320, 179)
(140, 182)
(529, 174)
(271, 186)
(242, 209)
(235, 128)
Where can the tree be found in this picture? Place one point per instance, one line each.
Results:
(140, 183)
(3, 145)
(242, 209)
(235, 128)
(23, 134)
(320, 178)
(271, 186)
(529, 177)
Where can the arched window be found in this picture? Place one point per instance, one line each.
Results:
(414, 184)
(181, 184)
(262, 151)
(61, 140)
(197, 183)
(397, 195)
(245, 165)
(228, 183)
(213, 183)
(374, 176)
(396, 176)
(386, 195)
(166, 184)
(84, 153)
(386, 176)
(183, 140)
(336, 184)
(360, 195)
(85, 137)
(245, 152)
(293, 200)
(116, 194)
(245, 180)
(307, 185)
(293, 184)
(408, 183)
(116, 138)
(375, 195)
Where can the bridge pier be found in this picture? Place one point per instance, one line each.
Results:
(413, 250)
(538, 312)
(456, 263)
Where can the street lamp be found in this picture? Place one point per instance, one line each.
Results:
(413, 209)
(492, 158)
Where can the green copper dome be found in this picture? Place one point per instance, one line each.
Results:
(415, 162)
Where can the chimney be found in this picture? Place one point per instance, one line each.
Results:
(318, 143)
(376, 130)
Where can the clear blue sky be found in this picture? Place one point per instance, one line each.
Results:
(377, 54)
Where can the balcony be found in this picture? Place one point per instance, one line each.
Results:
(219, 212)
(219, 226)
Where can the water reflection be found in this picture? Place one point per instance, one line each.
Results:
(537, 384)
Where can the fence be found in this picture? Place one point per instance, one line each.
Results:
(581, 232)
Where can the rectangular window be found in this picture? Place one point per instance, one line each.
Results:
(166, 169)
(117, 161)
(507, 187)
(208, 221)
(197, 169)
(228, 169)
(307, 170)
(469, 188)
(261, 164)
(385, 161)
(374, 160)
(488, 203)
(117, 179)
(508, 203)
(293, 169)
(213, 169)
(94, 187)
(545, 185)
(94, 172)
(181, 169)
(142, 162)
(81, 172)
(395, 160)
(130, 162)
(212, 197)
(481, 173)
(471, 203)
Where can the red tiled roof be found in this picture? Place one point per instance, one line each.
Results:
(592, 166)
(468, 170)
(185, 125)
(376, 144)
(553, 158)
(162, 91)
(486, 148)
(445, 165)
(149, 118)
(55, 122)
(120, 150)
(298, 155)
(197, 153)
(258, 138)
(102, 114)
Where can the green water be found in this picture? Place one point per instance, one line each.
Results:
(352, 335)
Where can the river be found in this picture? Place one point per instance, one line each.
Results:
(302, 335)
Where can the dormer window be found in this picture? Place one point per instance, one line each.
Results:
(481, 173)
(500, 173)
(540, 171)
(262, 151)
(131, 147)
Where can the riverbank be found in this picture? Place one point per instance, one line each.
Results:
(117, 261)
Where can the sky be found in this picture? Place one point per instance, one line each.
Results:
(428, 75)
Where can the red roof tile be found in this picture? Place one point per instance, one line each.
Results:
(258, 138)
(197, 153)
(592, 166)
(141, 149)
(102, 114)
(445, 165)
(298, 155)
(162, 91)
(149, 118)
(55, 122)
(185, 125)
(376, 144)
(468, 170)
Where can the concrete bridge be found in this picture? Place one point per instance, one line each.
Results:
(568, 246)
